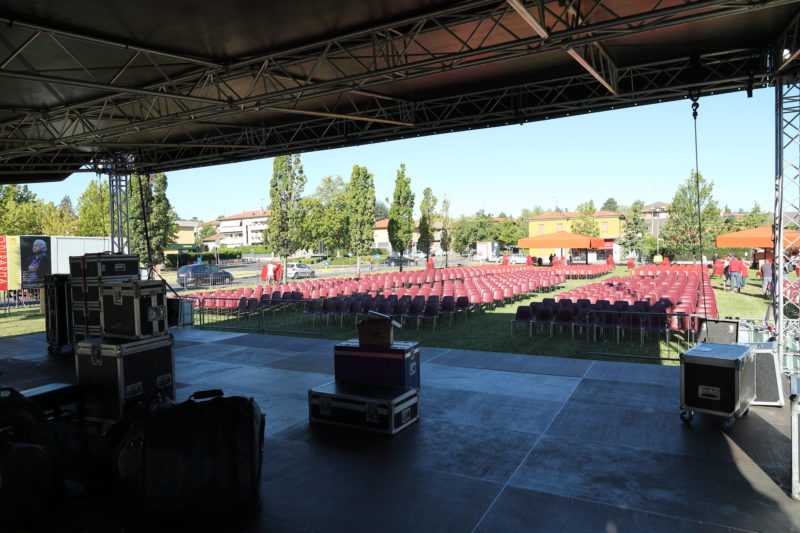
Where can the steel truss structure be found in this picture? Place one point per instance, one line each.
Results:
(100, 98)
(118, 179)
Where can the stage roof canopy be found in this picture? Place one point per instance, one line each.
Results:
(159, 86)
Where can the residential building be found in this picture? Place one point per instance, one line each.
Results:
(213, 242)
(186, 236)
(655, 215)
(381, 237)
(611, 227)
(243, 229)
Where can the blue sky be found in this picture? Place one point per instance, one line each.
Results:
(641, 153)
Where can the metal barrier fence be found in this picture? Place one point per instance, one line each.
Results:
(639, 335)
(20, 298)
(251, 315)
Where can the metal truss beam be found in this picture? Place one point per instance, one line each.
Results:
(118, 179)
(337, 82)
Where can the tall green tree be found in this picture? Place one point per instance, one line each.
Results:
(149, 208)
(693, 215)
(632, 238)
(285, 190)
(18, 193)
(93, 210)
(585, 224)
(66, 206)
(401, 214)
(361, 207)
(756, 217)
(610, 205)
(447, 228)
(59, 220)
(22, 218)
(465, 232)
(330, 215)
(427, 219)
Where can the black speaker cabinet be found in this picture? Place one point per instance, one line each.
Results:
(769, 378)
(718, 331)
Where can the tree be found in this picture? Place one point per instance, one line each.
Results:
(401, 214)
(361, 207)
(585, 224)
(693, 215)
(755, 217)
(329, 215)
(21, 218)
(93, 210)
(447, 228)
(508, 232)
(465, 234)
(427, 214)
(285, 220)
(381, 211)
(205, 231)
(18, 193)
(66, 206)
(610, 205)
(149, 209)
(635, 230)
(60, 220)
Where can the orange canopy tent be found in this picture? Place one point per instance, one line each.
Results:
(559, 239)
(760, 237)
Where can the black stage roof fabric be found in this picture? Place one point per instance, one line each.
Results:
(157, 86)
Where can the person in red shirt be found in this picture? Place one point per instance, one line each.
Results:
(631, 263)
(735, 271)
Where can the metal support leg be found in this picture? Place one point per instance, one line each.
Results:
(118, 200)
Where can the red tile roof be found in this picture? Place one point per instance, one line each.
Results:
(216, 237)
(249, 214)
(210, 223)
(382, 223)
(555, 215)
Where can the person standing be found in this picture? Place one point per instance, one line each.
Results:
(766, 276)
(735, 271)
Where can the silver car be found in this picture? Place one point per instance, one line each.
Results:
(299, 270)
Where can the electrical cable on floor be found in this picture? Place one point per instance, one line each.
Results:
(704, 271)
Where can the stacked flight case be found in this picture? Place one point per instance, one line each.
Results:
(376, 387)
(126, 356)
(89, 272)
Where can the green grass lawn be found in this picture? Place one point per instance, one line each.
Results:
(21, 321)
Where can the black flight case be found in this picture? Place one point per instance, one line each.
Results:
(134, 309)
(375, 408)
(114, 374)
(718, 379)
(58, 312)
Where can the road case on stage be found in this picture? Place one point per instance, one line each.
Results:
(134, 309)
(769, 376)
(58, 312)
(718, 379)
(373, 408)
(104, 266)
(395, 365)
(116, 373)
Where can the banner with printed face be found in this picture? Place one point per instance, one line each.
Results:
(35, 260)
(12, 277)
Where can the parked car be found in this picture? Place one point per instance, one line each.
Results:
(203, 275)
(418, 255)
(517, 259)
(397, 260)
(299, 270)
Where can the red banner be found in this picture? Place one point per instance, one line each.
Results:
(3, 263)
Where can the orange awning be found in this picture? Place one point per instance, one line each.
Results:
(559, 239)
(760, 237)
(597, 243)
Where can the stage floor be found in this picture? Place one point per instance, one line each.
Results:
(505, 442)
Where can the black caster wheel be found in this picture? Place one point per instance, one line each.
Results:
(743, 413)
(687, 416)
(727, 425)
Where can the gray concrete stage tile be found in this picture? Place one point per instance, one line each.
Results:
(218, 351)
(22, 374)
(202, 335)
(526, 510)
(487, 410)
(429, 444)
(535, 364)
(721, 492)
(271, 382)
(349, 493)
(635, 372)
(306, 362)
(189, 370)
(534, 386)
(629, 394)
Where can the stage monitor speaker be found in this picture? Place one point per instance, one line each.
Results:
(769, 379)
(718, 331)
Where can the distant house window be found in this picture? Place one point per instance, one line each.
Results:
(559, 227)
(541, 229)
(604, 227)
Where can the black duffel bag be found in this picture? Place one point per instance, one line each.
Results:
(195, 459)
